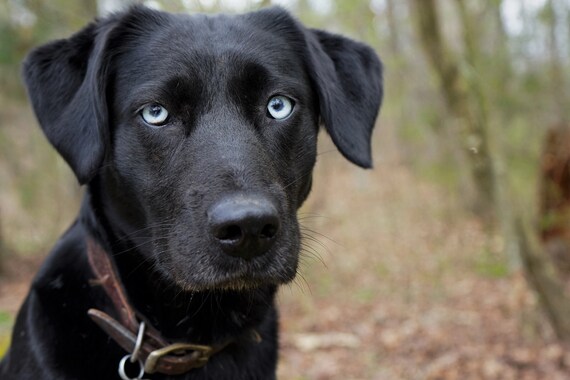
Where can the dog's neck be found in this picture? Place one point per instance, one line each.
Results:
(178, 314)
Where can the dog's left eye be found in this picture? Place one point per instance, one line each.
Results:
(280, 107)
(154, 114)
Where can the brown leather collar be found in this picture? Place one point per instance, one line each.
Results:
(156, 353)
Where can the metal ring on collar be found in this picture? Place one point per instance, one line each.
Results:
(138, 344)
(122, 372)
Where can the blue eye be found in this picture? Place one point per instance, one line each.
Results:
(280, 107)
(154, 114)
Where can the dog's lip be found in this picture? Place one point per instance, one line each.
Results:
(238, 284)
(236, 281)
(212, 270)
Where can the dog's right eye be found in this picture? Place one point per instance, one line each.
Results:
(280, 107)
(155, 115)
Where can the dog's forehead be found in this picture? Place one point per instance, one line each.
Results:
(215, 43)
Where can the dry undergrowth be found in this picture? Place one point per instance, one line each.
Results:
(413, 288)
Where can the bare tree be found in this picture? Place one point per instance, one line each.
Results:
(393, 26)
(542, 276)
(455, 92)
(557, 77)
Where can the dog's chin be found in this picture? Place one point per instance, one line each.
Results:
(238, 284)
(197, 281)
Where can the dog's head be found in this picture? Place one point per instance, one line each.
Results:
(198, 133)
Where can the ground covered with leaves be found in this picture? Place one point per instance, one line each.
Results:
(397, 282)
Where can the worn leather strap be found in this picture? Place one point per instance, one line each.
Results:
(157, 354)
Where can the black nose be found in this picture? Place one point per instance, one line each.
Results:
(244, 225)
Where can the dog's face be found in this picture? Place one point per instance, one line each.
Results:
(208, 120)
(199, 133)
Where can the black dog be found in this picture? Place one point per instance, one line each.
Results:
(196, 138)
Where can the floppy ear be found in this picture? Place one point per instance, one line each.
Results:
(348, 79)
(66, 83)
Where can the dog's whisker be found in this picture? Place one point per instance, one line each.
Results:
(134, 248)
(150, 240)
(161, 225)
(301, 177)
(308, 216)
(312, 253)
(301, 279)
(325, 152)
(305, 230)
(144, 261)
(309, 239)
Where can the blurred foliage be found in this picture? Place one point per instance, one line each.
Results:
(26, 23)
(6, 321)
(489, 264)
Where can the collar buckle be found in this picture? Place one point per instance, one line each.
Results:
(196, 354)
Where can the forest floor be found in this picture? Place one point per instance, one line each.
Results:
(396, 282)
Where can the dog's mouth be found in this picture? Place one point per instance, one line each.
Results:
(242, 277)
(237, 283)
(213, 269)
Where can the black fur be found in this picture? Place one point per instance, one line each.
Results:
(150, 189)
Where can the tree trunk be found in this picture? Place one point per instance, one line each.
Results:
(2, 247)
(541, 275)
(554, 197)
(557, 77)
(504, 213)
(455, 92)
(393, 27)
(503, 73)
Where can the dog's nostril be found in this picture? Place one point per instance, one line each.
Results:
(230, 233)
(268, 231)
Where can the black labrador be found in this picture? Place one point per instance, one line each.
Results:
(196, 138)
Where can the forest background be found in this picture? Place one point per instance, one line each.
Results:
(449, 260)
